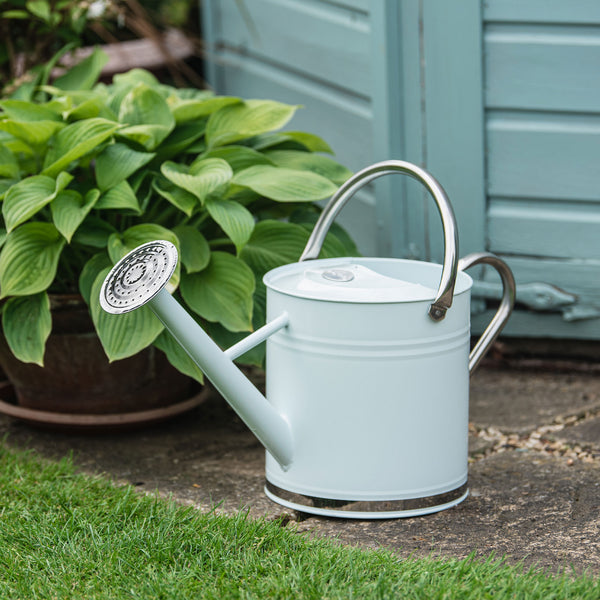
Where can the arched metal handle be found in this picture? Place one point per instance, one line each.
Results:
(509, 290)
(443, 299)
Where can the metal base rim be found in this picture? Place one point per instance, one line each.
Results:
(367, 509)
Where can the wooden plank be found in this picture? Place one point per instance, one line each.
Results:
(542, 11)
(210, 28)
(524, 323)
(454, 115)
(321, 41)
(363, 6)
(576, 276)
(561, 229)
(389, 118)
(542, 67)
(415, 243)
(543, 156)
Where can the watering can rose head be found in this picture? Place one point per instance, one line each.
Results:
(90, 171)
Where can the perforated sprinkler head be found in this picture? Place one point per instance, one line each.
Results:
(138, 277)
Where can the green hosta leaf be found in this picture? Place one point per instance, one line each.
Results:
(225, 338)
(15, 14)
(94, 232)
(201, 179)
(198, 147)
(240, 121)
(190, 110)
(76, 140)
(178, 94)
(29, 259)
(195, 251)
(332, 246)
(120, 197)
(177, 196)
(5, 185)
(285, 185)
(222, 292)
(122, 335)
(89, 109)
(41, 9)
(119, 244)
(122, 243)
(9, 167)
(307, 161)
(57, 105)
(16, 146)
(69, 209)
(234, 219)
(64, 100)
(147, 115)
(297, 140)
(27, 323)
(26, 198)
(143, 105)
(274, 243)
(84, 74)
(20, 110)
(238, 157)
(77, 105)
(33, 133)
(181, 139)
(117, 162)
(178, 357)
(337, 242)
(145, 136)
(90, 271)
(132, 78)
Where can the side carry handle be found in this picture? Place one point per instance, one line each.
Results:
(509, 290)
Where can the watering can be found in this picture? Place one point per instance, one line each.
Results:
(368, 364)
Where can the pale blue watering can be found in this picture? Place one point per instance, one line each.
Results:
(368, 363)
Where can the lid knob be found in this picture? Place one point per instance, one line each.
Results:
(338, 275)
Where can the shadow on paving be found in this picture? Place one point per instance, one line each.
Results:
(534, 474)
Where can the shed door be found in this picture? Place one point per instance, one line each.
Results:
(536, 77)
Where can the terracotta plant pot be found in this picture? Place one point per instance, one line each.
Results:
(78, 381)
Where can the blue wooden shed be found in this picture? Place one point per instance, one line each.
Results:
(498, 99)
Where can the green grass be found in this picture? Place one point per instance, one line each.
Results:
(67, 535)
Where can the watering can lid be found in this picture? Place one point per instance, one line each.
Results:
(344, 281)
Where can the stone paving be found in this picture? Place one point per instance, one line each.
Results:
(534, 474)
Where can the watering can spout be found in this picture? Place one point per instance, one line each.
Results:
(140, 278)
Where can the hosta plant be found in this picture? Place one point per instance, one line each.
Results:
(90, 171)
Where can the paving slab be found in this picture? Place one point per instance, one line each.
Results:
(531, 507)
(520, 401)
(584, 433)
(537, 504)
